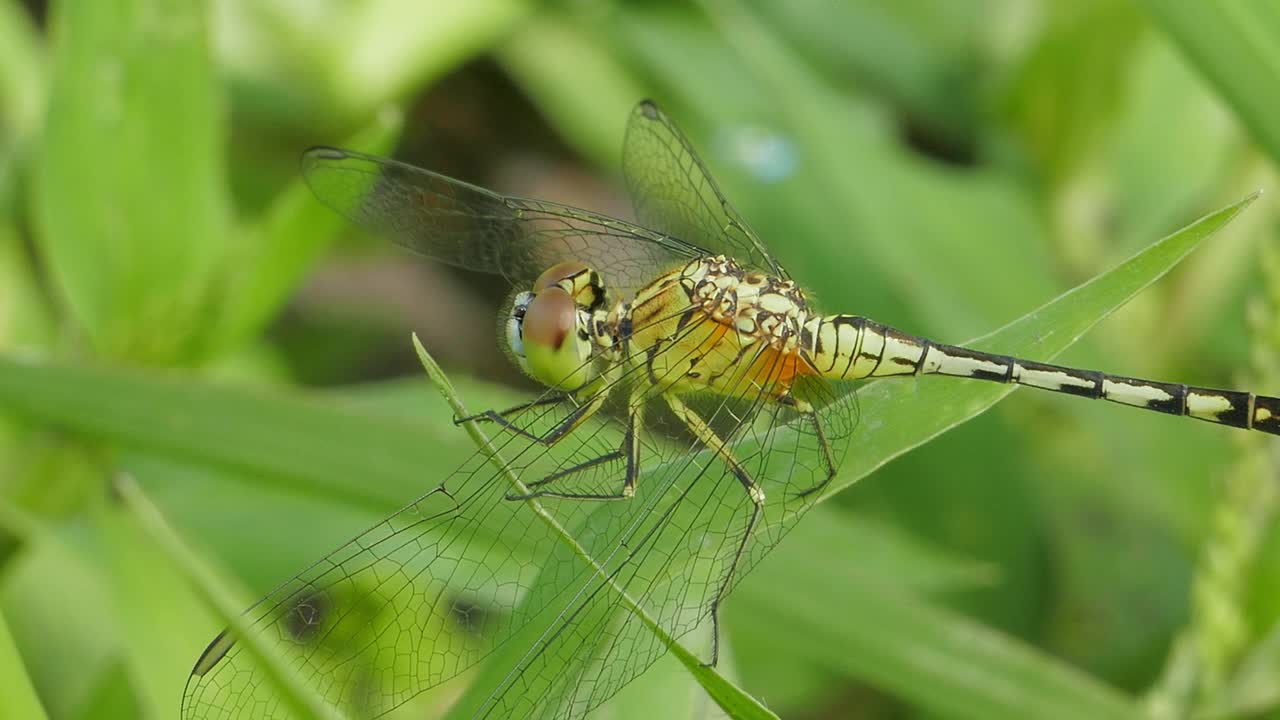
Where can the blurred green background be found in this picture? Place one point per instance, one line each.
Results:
(176, 307)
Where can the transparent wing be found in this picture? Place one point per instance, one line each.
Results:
(673, 192)
(468, 226)
(690, 542)
(461, 571)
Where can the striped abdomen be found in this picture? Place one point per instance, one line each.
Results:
(846, 347)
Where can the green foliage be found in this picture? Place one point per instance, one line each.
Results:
(1232, 45)
(133, 103)
(19, 698)
(167, 283)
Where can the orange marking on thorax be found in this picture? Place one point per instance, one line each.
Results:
(776, 371)
(713, 340)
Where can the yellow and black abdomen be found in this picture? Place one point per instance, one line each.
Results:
(847, 347)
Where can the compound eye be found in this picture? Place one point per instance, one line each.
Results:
(556, 273)
(549, 319)
(555, 354)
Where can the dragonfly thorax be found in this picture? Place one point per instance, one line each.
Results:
(757, 306)
(713, 325)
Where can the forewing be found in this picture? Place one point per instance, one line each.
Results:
(470, 227)
(432, 590)
(416, 599)
(673, 192)
(680, 542)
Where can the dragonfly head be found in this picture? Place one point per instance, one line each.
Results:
(548, 329)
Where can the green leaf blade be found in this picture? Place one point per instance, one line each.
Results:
(294, 694)
(1233, 43)
(297, 228)
(327, 445)
(17, 696)
(129, 196)
(901, 415)
(933, 657)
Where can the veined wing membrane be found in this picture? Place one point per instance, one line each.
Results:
(680, 545)
(409, 604)
(470, 227)
(419, 597)
(673, 192)
(435, 588)
(427, 593)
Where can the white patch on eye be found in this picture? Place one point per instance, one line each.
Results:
(515, 325)
(515, 337)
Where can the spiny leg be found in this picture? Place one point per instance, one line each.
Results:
(572, 470)
(579, 415)
(499, 416)
(630, 443)
(709, 438)
(828, 457)
(629, 450)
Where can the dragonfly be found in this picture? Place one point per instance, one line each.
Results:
(696, 405)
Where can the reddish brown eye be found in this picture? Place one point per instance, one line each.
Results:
(556, 273)
(550, 319)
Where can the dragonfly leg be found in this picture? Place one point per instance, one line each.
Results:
(708, 437)
(828, 457)
(628, 450)
(824, 445)
(728, 579)
(501, 417)
(555, 434)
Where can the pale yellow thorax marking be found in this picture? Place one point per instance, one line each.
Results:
(726, 353)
